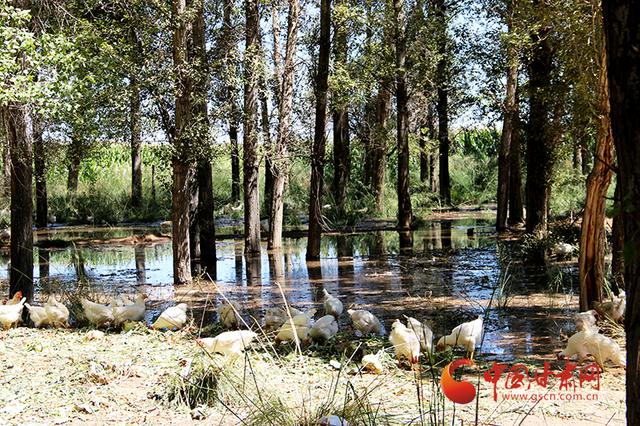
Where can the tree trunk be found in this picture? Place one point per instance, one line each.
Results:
(251, 161)
(341, 142)
(622, 24)
(424, 157)
(539, 134)
(40, 166)
(591, 266)
(442, 107)
(516, 208)
(135, 128)
(182, 167)
(232, 67)
(433, 184)
(319, 138)
(379, 144)
(206, 235)
(402, 127)
(19, 133)
(617, 249)
(285, 111)
(510, 117)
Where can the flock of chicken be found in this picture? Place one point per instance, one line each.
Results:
(293, 325)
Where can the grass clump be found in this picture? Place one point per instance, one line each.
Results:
(196, 385)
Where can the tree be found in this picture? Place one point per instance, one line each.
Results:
(541, 137)
(319, 137)
(402, 98)
(509, 128)
(622, 30)
(40, 166)
(183, 170)
(280, 160)
(251, 161)
(442, 106)
(340, 106)
(591, 265)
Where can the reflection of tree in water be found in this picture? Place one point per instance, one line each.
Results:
(254, 269)
(141, 273)
(44, 256)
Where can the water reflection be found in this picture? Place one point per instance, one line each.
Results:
(444, 281)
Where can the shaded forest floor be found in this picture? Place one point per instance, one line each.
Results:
(60, 377)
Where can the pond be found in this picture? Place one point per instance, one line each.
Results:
(451, 274)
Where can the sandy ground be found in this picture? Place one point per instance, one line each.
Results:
(58, 377)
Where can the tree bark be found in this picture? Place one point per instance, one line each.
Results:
(19, 133)
(40, 166)
(182, 165)
(442, 107)
(622, 25)
(280, 164)
(591, 267)
(341, 142)
(378, 154)
(617, 249)
(516, 208)
(402, 98)
(539, 134)
(319, 138)
(6, 162)
(510, 117)
(135, 128)
(251, 161)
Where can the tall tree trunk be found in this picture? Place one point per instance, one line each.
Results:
(510, 117)
(319, 138)
(516, 208)
(433, 184)
(617, 249)
(285, 111)
(135, 128)
(539, 133)
(19, 132)
(402, 127)
(591, 266)
(251, 161)
(40, 163)
(379, 144)
(204, 179)
(183, 170)
(424, 157)
(229, 42)
(341, 142)
(442, 107)
(622, 28)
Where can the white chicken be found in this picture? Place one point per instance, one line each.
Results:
(300, 330)
(275, 317)
(372, 363)
(229, 343)
(229, 314)
(364, 321)
(405, 342)
(324, 329)
(11, 314)
(172, 318)
(586, 321)
(97, 314)
(15, 299)
(467, 335)
(613, 309)
(563, 250)
(38, 315)
(332, 305)
(130, 312)
(57, 312)
(601, 347)
(423, 333)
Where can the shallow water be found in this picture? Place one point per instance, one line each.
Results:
(448, 276)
